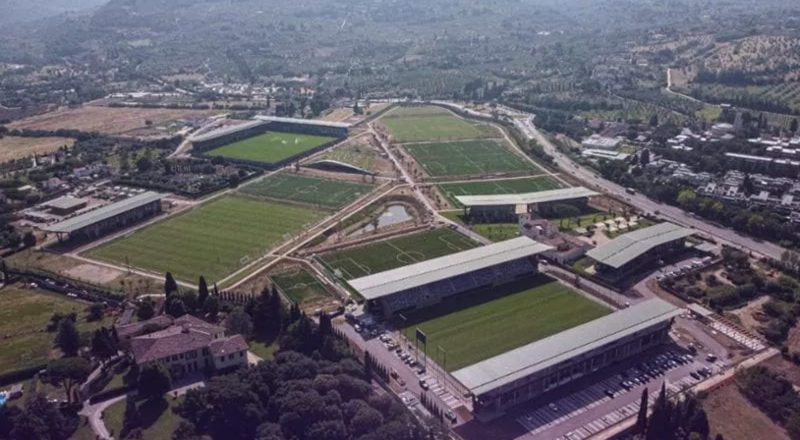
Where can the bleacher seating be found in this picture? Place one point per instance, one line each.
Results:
(411, 298)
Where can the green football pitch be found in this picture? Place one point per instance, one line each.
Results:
(270, 147)
(414, 124)
(389, 254)
(300, 286)
(466, 158)
(506, 186)
(213, 239)
(311, 190)
(484, 324)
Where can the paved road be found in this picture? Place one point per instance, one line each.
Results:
(643, 203)
(420, 196)
(383, 356)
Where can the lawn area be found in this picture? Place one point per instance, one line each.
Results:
(497, 231)
(389, 254)
(506, 186)
(213, 239)
(23, 319)
(263, 346)
(311, 190)
(466, 158)
(568, 223)
(84, 431)
(414, 124)
(300, 286)
(474, 327)
(158, 419)
(270, 147)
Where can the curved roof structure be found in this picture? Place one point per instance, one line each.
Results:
(554, 195)
(625, 248)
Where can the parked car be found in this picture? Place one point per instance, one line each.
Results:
(424, 385)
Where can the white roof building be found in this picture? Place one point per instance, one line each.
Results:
(426, 272)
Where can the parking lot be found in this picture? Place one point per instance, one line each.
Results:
(614, 398)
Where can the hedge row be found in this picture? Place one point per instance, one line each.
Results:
(20, 375)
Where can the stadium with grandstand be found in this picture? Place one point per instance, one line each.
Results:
(428, 282)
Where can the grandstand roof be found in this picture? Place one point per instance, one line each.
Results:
(524, 361)
(575, 192)
(623, 249)
(426, 272)
(338, 163)
(224, 131)
(303, 121)
(81, 221)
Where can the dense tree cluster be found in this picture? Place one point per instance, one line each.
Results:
(313, 389)
(773, 395)
(38, 419)
(684, 419)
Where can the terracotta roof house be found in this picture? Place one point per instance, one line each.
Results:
(188, 345)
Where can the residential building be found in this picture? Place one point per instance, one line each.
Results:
(190, 345)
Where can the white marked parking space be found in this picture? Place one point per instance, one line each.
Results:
(595, 404)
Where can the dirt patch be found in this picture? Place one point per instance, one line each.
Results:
(12, 147)
(363, 152)
(733, 416)
(109, 120)
(750, 316)
(93, 274)
(338, 115)
(786, 369)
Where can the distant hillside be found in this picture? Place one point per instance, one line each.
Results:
(16, 11)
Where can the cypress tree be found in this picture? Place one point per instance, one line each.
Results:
(202, 292)
(170, 286)
(641, 419)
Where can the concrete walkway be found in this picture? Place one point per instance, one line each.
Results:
(94, 413)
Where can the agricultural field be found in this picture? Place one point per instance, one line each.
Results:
(12, 147)
(23, 319)
(781, 98)
(389, 254)
(108, 120)
(414, 124)
(309, 190)
(506, 186)
(213, 239)
(270, 147)
(300, 286)
(476, 327)
(466, 158)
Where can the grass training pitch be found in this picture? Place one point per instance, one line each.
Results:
(300, 286)
(270, 147)
(212, 240)
(389, 254)
(466, 158)
(304, 189)
(507, 186)
(474, 327)
(414, 124)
